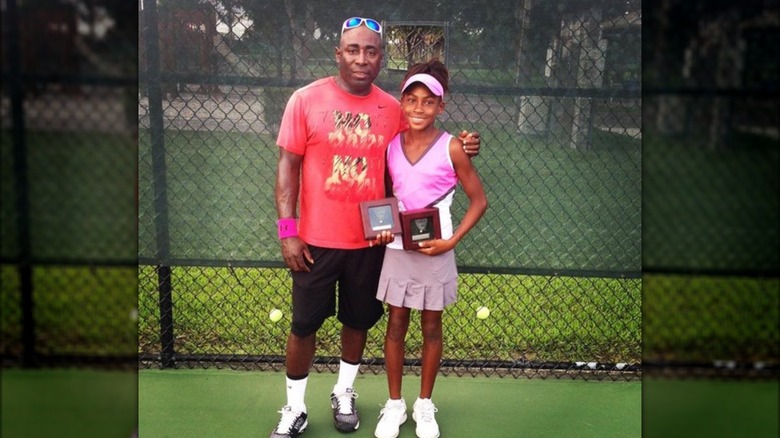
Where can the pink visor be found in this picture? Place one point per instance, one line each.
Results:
(427, 80)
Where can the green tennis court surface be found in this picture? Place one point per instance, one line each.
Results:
(223, 403)
(710, 408)
(68, 403)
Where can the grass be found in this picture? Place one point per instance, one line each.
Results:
(701, 319)
(220, 196)
(77, 311)
(81, 198)
(82, 210)
(711, 209)
(224, 311)
(90, 311)
(555, 207)
(550, 206)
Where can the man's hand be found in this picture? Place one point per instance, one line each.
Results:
(296, 254)
(470, 142)
(383, 238)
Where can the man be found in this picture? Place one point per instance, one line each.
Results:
(333, 139)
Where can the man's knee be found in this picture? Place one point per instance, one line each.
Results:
(305, 329)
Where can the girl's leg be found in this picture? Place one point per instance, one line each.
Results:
(432, 348)
(395, 346)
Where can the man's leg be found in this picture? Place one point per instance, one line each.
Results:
(300, 353)
(313, 300)
(358, 310)
(353, 341)
(299, 356)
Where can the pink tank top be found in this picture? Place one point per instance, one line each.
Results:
(430, 182)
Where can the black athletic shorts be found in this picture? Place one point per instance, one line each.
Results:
(354, 273)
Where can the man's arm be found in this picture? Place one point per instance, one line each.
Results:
(294, 250)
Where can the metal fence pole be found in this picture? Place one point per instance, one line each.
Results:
(157, 133)
(20, 183)
(165, 289)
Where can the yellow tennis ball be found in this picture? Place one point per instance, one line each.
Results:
(275, 315)
(483, 312)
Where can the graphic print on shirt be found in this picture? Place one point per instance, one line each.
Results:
(355, 152)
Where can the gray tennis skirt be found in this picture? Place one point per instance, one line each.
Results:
(418, 281)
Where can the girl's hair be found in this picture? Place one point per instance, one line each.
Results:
(435, 68)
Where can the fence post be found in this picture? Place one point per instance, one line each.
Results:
(157, 134)
(11, 18)
(167, 355)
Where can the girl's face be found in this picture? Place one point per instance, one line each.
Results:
(421, 106)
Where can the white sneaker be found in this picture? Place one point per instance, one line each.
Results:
(424, 414)
(391, 417)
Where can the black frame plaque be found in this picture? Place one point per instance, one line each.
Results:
(379, 215)
(420, 225)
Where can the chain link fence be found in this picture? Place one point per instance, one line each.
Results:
(556, 258)
(69, 164)
(589, 183)
(710, 190)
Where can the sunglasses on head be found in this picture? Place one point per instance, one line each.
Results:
(354, 22)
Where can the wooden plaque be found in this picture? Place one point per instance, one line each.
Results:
(420, 225)
(380, 215)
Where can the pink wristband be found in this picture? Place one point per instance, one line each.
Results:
(288, 227)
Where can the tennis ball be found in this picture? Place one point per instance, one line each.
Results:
(275, 315)
(483, 312)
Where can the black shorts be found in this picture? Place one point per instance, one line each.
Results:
(355, 272)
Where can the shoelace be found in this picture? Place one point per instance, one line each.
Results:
(287, 421)
(346, 402)
(426, 412)
(393, 411)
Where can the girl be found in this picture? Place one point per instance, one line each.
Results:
(425, 164)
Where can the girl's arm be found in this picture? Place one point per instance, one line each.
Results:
(472, 186)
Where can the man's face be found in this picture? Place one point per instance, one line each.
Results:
(359, 57)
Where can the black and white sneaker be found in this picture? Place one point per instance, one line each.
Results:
(345, 414)
(292, 424)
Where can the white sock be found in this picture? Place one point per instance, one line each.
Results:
(347, 375)
(296, 391)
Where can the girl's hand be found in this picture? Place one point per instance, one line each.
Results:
(435, 246)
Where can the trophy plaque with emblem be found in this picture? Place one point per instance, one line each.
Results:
(420, 225)
(379, 215)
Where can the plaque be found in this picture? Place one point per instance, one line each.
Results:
(379, 215)
(420, 225)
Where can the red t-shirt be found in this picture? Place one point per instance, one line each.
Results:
(343, 139)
